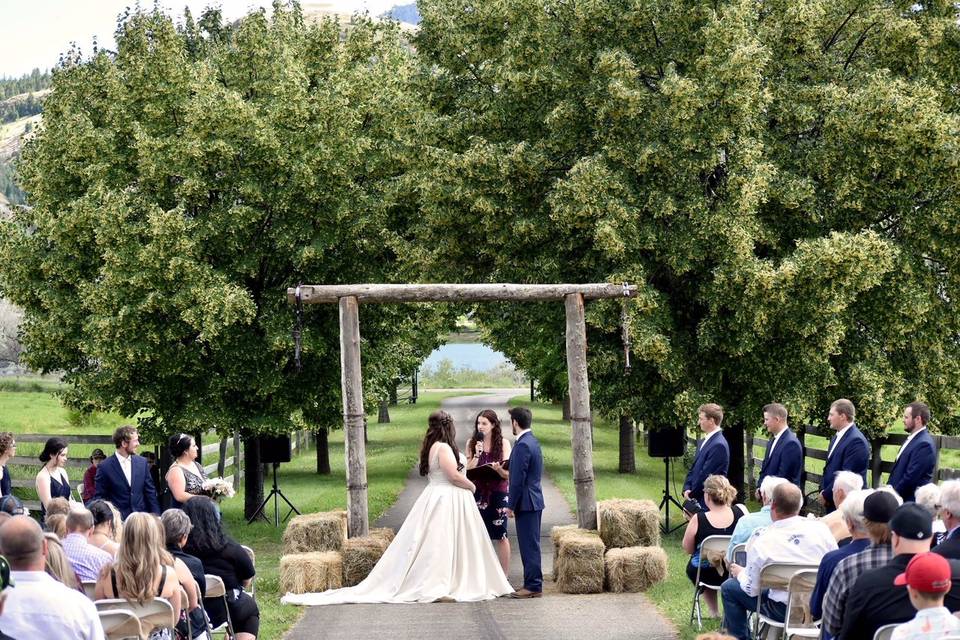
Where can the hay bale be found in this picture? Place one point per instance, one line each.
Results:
(578, 565)
(315, 532)
(360, 555)
(386, 534)
(310, 572)
(557, 534)
(628, 523)
(632, 569)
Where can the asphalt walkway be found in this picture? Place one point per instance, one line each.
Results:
(555, 616)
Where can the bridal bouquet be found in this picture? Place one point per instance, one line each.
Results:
(218, 489)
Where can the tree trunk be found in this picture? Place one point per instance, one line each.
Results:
(384, 415)
(628, 445)
(366, 438)
(565, 409)
(221, 466)
(735, 438)
(252, 477)
(323, 452)
(393, 394)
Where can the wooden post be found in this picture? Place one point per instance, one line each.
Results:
(237, 466)
(353, 417)
(580, 412)
(221, 466)
(876, 462)
(751, 473)
(802, 437)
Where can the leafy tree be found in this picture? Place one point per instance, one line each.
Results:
(779, 179)
(180, 185)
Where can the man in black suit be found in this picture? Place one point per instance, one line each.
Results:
(124, 478)
(950, 514)
(784, 455)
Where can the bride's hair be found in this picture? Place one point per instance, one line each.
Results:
(496, 435)
(439, 429)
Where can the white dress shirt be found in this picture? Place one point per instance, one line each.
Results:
(776, 439)
(706, 437)
(907, 441)
(127, 465)
(837, 441)
(40, 607)
(793, 539)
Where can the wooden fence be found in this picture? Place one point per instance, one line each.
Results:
(225, 457)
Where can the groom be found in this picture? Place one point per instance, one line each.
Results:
(526, 500)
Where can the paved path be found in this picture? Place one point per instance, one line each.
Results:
(556, 616)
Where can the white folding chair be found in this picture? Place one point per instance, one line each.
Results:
(775, 575)
(885, 632)
(253, 561)
(711, 546)
(89, 587)
(799, 621)
(120, 624)
(156, 614)
(739, 554)
(216, 589)
(185, 607)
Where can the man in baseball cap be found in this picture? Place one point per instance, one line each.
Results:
(874, 599)
(928, 579)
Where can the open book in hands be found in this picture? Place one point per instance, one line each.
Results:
(486, 472)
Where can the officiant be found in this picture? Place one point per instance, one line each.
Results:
(487, 450)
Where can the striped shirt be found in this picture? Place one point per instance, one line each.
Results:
(86, 559)
(846, 573)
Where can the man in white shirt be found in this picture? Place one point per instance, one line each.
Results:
(790, 538)
(39, 606)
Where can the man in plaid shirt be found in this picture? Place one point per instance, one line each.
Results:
(878, 508)
(86, 559)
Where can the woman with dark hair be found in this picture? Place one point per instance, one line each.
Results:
(488, 446)
(184, 477)
(8, 448)
(223, 557)
(442, 551)
(106, 526)
(52, 481)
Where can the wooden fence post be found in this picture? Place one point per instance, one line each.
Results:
(221, 461)
(580, 436)
(751, 477)
(876, 462)
(237, 465)
(353, 417)
(802, 437)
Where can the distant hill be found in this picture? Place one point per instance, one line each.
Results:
(404, 13)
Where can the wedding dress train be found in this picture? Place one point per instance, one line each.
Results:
(441, 551)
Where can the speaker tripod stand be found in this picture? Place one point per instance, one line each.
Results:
(277, 495)
(667, 500)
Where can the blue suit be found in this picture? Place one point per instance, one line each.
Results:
(914, 467)
(786, 461)
(111, 484)
(526, 500)
(852, 454)
(713, 458)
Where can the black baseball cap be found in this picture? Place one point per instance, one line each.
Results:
(880, 506)
(912, 521)
(5, 580)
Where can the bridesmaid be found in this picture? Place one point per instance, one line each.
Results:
(52, 481)
(488, 446)
(185, 477)
(8, 449)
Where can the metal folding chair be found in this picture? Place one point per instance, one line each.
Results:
(799, 621)
(253, 561)
(775, 575)
(711, 545)
(156, 614)
(89, 587)
(739, 554)
(886, 631)
(216, 589)
(120, 624)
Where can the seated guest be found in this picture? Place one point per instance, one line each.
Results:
(874, 600)
(753, 522)
(8, 449)
(138, 575)
(928, 578)
(713, 454)
(39, 606)
(852, 510)
(719, 520)
(844, 483)
(917, 457)
(176, 529)
(950, 513)
(878, 508)
(58, 566)
(928, 497)
(784, 455)
(56, 523)
(106, 527)
(90, 474)
(11, 504)
(124, 479)
(86, 559)
(223, 557)
(790, 538)
(52, 481)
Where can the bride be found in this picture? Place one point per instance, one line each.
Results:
(442, 551)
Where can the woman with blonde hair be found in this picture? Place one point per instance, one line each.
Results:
(58, 566)
(720, 519)
(139, 573)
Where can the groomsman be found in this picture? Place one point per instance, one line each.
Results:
(848, 450)
(713, 456)
(784, 455)
(918, 455)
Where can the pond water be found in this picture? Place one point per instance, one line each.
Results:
(473, 355)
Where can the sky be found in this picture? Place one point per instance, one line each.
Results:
(33, 33)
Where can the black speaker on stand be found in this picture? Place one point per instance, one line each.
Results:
(667, 443)
(274, 450)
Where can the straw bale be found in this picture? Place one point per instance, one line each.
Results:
(632, 569)
(628, 523)
(578, 565)
(360, 555)
(310, 532)
(557, 534)
(386, 534)
(311, 572)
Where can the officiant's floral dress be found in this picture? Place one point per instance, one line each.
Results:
(491, 497)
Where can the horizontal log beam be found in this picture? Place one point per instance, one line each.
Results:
(317, 294)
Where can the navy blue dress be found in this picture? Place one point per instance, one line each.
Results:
(5, 488)
(58, 489)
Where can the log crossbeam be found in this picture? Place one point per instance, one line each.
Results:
(385, 293)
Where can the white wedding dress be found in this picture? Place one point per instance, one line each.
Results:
(441, 551)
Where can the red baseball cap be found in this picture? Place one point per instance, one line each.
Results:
(927, 572)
